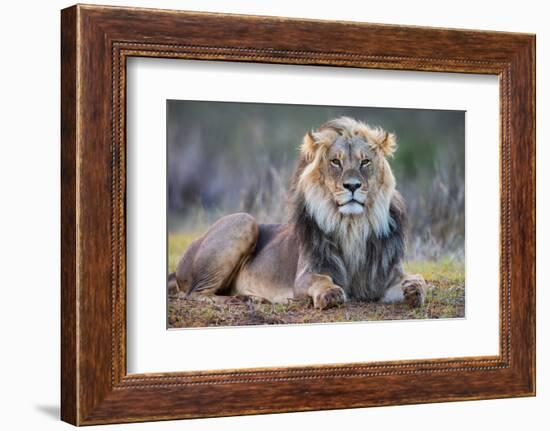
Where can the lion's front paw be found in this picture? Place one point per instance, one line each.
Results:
(329, 297)
(414, 290)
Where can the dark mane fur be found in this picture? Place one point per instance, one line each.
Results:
(382, 254)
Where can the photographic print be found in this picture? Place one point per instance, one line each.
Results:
(298, 214)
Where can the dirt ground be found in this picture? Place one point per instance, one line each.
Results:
(444, 299)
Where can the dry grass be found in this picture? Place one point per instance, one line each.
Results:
(444, 299)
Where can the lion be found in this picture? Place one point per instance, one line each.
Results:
(345, 238)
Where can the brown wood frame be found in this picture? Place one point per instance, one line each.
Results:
(95, 43)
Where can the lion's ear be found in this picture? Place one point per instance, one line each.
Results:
(308, 147)
(385, 142)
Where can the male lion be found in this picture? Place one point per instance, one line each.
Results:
(345, 238)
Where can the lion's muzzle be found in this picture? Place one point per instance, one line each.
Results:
(351, 199)
(352, 202)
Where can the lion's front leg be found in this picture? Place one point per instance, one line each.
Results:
(411, 289)
(321, 289)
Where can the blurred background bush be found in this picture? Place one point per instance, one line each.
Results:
(225, 157)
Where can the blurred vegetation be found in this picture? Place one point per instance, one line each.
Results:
(225, 157)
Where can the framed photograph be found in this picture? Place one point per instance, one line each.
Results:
(335, 207)
(264, 215)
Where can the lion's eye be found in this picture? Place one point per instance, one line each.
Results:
(365, 162)
(336, 162)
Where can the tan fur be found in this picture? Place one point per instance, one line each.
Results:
(341, 197)
(317, 188)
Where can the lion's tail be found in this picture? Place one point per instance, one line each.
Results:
(172, 283)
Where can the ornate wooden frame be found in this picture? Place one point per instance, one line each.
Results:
(95, 43)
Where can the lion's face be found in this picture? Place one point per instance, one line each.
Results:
(348, 169)
(346, 178)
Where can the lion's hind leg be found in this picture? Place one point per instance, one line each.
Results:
(211, 262)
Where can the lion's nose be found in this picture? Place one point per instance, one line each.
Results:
(352, 185)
